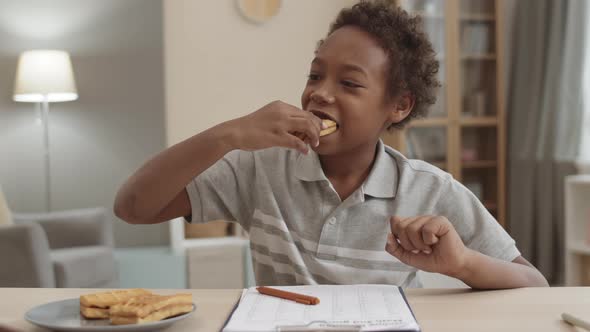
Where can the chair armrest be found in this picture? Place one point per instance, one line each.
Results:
(24, 257)
(73, 228)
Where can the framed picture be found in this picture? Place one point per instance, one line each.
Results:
(258, 11)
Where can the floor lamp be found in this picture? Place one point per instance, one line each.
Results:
(45, 76)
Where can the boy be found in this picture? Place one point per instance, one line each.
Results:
(348, 210)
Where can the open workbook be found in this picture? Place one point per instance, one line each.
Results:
(341, 308)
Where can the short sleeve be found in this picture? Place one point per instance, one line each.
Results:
(223, 191)
(478, 229)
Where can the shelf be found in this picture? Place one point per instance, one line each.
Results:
(577, 229)
(579, 247)
(583, 179)
(468, 119)
(475, 57)
(179, 243)
(480, 164)
(478, 17)
(429, 122)
(478, 121)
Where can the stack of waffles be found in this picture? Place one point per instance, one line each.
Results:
(133, 306)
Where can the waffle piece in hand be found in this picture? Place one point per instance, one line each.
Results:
(96, 305)
(331, 127)
(150, 308)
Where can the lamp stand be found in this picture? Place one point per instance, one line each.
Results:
(45, 120)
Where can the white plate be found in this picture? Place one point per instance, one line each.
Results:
(65, 316)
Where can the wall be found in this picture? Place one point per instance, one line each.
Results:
(117, 123)
(219, 66)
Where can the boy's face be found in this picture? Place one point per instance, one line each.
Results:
(347, 83)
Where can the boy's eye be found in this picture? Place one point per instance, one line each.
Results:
(313, 77)
(350, 84)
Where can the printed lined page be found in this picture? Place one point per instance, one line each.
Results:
(367, 307)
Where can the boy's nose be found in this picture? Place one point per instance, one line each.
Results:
(321, 97)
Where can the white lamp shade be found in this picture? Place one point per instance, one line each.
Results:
(44, 74)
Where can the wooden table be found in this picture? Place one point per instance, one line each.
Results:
(527, 309)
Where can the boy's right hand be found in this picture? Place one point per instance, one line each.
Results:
(276, 124)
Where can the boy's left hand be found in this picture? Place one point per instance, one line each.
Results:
(428, 243)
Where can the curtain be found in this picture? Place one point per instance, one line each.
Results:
(585, 146)
(544, 113)
(5, 215)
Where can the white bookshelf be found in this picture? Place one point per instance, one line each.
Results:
(214, 262)
(577, 230)
(179, 243)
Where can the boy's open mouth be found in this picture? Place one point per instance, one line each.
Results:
(329, 122)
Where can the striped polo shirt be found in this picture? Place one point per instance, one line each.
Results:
(302, 233)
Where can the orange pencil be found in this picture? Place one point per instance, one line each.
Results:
(299, 298)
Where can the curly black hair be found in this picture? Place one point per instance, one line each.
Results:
(413, 65)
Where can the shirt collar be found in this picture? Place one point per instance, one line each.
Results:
(309, 168)
(381, 182)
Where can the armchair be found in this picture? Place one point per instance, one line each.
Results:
(58, 249)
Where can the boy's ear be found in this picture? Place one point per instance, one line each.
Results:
(401, 107)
